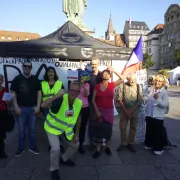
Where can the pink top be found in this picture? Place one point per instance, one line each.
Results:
(83, 98)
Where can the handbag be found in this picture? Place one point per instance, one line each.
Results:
(10, 121)
(100, 130)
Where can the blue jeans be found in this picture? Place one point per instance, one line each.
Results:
(27, 119)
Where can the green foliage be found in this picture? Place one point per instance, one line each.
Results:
(164, 72)
(177, 56)
(147, 62)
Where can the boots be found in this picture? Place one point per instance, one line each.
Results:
(2, 152)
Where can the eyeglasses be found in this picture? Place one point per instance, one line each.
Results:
(28, 67)
(75, 91)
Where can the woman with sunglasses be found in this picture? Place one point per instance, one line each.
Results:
(157, 107)
(103, 97)
(50, 87)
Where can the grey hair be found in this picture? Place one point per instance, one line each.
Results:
(95, 59)
(131, 75)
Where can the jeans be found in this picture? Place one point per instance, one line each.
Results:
(27, 119)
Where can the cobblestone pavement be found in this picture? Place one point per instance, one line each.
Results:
(142, 165)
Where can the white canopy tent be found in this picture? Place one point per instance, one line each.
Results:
(174, 74)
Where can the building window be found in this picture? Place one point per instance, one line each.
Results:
(18, 38)
(177, 15)
(172, 17)
(138, 27)
(149, 50)
(134, 26)
(2, 37)
(175, 25)
(168, 19)
(9, 38)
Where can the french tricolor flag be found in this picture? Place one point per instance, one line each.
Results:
(134, 63)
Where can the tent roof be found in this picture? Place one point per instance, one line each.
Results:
(67, 42)
(175, 69)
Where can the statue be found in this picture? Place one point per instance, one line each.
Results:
(74, 10)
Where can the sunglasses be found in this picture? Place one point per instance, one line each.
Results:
(75, 91)
(28, 67)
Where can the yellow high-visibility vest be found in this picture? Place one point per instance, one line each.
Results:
(47, 92)
(59, 123)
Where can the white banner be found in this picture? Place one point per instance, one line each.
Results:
(11, 67)
(141, 124)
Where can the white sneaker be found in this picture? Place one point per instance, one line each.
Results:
(158, 152)
(147, 148)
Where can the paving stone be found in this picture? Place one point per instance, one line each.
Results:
(85, 159)
(108, 160)
(16, 173)
(66, 173)
(129, 172)
(170, 171)
(29, 158)
(146, 157)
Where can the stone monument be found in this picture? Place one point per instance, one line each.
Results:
(74, 10)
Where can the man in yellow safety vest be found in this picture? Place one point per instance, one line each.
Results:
(63, 120)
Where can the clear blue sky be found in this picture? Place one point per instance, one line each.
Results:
(44, 16)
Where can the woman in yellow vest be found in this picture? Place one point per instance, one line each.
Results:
(50, 87)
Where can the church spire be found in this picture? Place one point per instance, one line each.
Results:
(110, 28)
(110, 33)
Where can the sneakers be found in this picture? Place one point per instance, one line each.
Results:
(35, 151)
(55, 175)
(108, 151)
(68, 163)
(131, 148)
(159, 152)
(147, 148)
(19, 152)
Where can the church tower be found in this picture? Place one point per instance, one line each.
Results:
(110, 33)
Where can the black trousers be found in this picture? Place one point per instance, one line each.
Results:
(2, 145)
(84, 118)
(154, 136)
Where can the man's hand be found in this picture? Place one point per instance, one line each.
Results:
(17, 111)
(36, 110)
(156, 96)
(127, 114)
(76, 138)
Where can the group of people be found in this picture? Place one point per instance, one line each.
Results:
(66, 114)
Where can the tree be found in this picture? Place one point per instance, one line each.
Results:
(147, 62)
(177, 56)
(164, 72)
